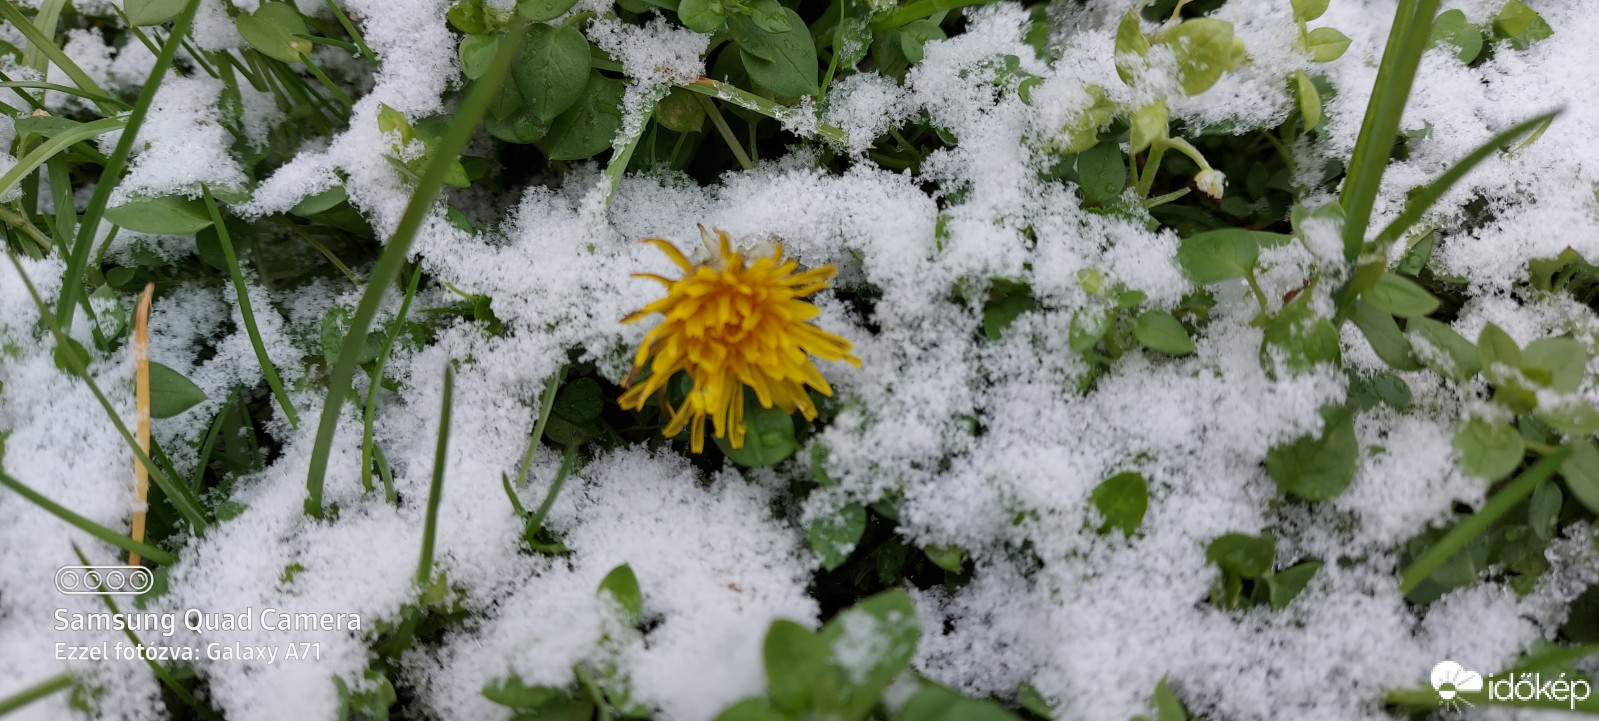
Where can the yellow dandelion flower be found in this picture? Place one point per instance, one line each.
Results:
(732, 325)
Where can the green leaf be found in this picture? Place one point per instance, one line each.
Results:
(751, 709)
(1521, 25)
(272, 28)
(476, 52)
(1326, 44)
(1309, 99)
(1442, 349)
(680, 112)
(1581, 471)
(797, 670)
(1563, 360)
(1000, 312)
(589, 126)
(1384, 335)
(171, 393)
(1158, 330)
(552, 72)
(1167, 707)
(1400, 296)
(1122, 500)
(781, 62)
(871, 643)
(1248, 556)
(623, 586)
(701, 16)
(768, 436)
(335, 325)
(1317, 468)
(1543, 510)
(164, 215)
(1087, 327)
(1308, 10)
(580, 401)
(320, 202)
(1286, 585)
(937, 703)
(467, 16)
(544, 10)
(1130, 41)
(834, 536)
(152, 12)
(1452, 27)
(1497, 347)
(1489, 450)
(1572, 415)
(1218, 255)
(947, 557)
(1150, 123)
(1102, 173)
(1299, 338)
(513, 692)
(1204, 49)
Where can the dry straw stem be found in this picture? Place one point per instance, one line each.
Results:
(141, 429)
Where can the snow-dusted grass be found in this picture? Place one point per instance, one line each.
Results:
(1236, 363)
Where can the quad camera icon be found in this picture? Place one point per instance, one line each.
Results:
(104, 580)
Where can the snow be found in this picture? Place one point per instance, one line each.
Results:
(984, 445)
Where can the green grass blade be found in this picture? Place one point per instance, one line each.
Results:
(546, 404)
(1423, 198)
(750, 101)
(441, 457)
(455, 137)
(66, 90)
(1497, 506)
(537, 521)
(267, 369)
(35, 692)
(119, 540)
(46, 46)
(72, 281)
(184, 500)
(1406, 42)
(377, 380)
(53, 146)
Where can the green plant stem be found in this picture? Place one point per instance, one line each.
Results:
(53, 146)
(187, 505)
(441, 457)
(537, 521)
(261, 357)
(377, 380)
(209, 444)
(355, 35)
(72, 280)
(623, 155)
(20, 222)
(546, 404)
(119, 540)
(1478, 522)
(40, 690)
(1406, 42)
(752, 102)
(65, 90)
(1146, 179)
(388, 265)
(338, 93)
(725, 131)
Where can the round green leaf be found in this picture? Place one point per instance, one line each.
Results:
(1102, 173)
(834, 536)
(782, 62)
(589, 125)
(1308, 10)
(1248, 556)
(701, 16)
(623, 586)
(1581, 471)
(680, 112)
(1452, 27)
(1326, 44)
(1158, 330)
(171, 393)
(476, 52)
(1122, 500)
(1204, 48)
(1489, 450)
(272, 28)
(1218, 255)
(768, 436)
(552, 72)
(1318, 467)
